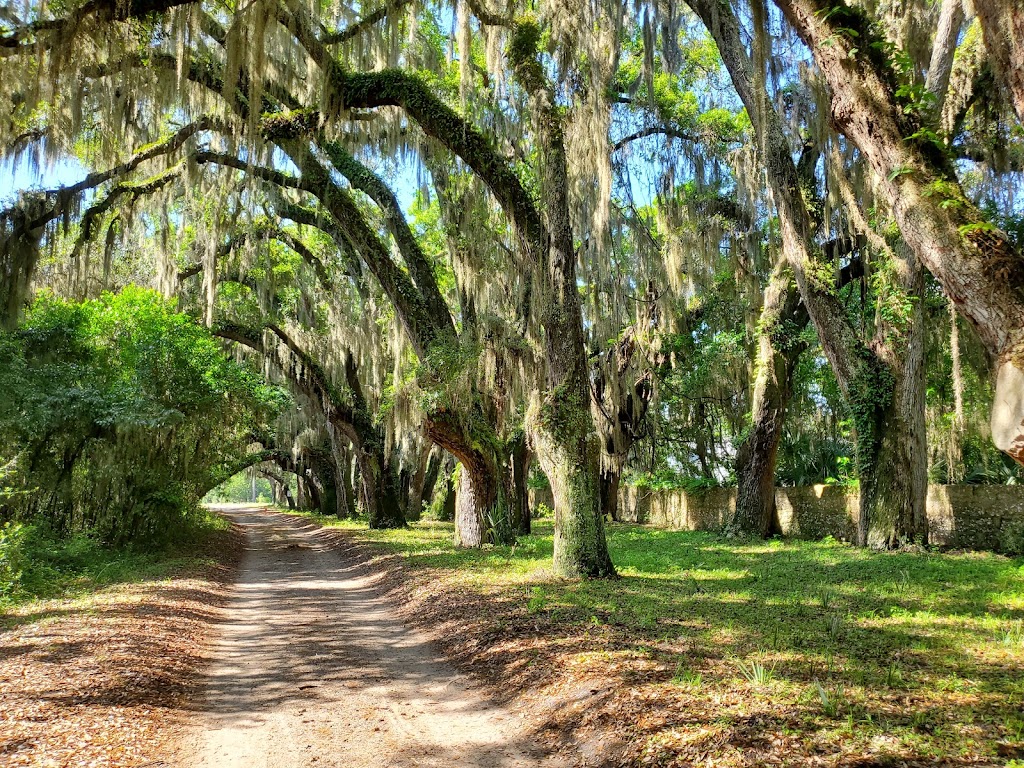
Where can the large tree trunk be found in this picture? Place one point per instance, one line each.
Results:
(380, 487)
(435, 461)
(978, 267)
(341, 499)
(448, 510)
(519, 503)
(313, 495)
(347, 485)
(560, 421)
(570, 460)
(307, 494)
(783, 317)
(281, 494)
(1008, 410)
(1002, 28)
(491, 502)
(325, 497)
(563, 433)
(276, 496)
(475, 496)
(894, 475)
(610, 483)
(416, 484)
(563, 429)
(381, 490)
(479, 476)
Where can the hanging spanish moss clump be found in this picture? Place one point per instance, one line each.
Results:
(907, 24)
(19, 253)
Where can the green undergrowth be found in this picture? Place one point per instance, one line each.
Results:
(910, 654)
(37, 564)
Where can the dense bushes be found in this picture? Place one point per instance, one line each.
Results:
(117, 415)
(38, 562)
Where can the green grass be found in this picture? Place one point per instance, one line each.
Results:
(35, 564)
(921, 652)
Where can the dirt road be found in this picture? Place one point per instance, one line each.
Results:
(314, 669)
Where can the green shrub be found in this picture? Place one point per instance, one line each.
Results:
(435, 510)
(118, 415)
(36, 561)
(498, 521)
(1011, 538)
(12, 556)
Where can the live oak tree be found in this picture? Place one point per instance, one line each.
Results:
(538, 305)
(207, 74)
(882, 390)
(874, 105)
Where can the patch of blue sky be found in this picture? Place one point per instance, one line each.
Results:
(21, 172)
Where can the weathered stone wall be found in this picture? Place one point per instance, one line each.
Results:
(817, 511)
(961, 516)
(704, 511)
(974, 516)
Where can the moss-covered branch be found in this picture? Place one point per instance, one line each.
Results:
(398, 88)
(62, 199)
(44, 34)
(365, 180)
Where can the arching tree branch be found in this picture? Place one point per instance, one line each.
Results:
(365, 180)
(61, 199)
(656, 130)
(363, 25)
(45, 33)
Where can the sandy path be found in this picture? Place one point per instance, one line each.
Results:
(313, 669)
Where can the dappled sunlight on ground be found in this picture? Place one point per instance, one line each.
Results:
(314, 669)
(105, 678)
(717, 652)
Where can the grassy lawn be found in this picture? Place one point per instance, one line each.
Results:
(739, 653)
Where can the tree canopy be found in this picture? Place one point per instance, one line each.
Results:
(700, 243)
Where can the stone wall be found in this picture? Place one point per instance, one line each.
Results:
(817, 511)
(974, 516)
(960, 516)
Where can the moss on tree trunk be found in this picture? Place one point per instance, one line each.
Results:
(783, 318)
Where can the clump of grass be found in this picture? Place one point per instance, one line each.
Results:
(920, 720)
(687, 677)
(538, 600)
(833, 698)
(756, 672)
(1014, 635)
(903, 584)
(893, 675)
